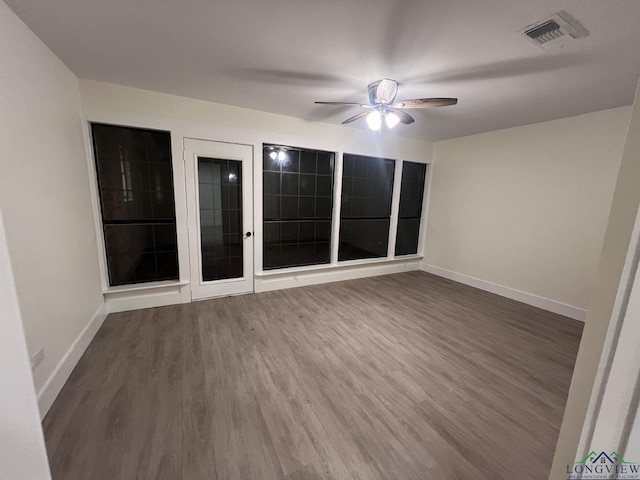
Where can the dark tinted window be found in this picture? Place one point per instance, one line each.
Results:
(367, 187)
(411, 194)
(135, 183)
(298, 201)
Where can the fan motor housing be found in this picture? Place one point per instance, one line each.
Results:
(382, 91)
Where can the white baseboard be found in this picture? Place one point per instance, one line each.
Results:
(508, 292)
(136, 300)
(303, 279)
(58, 378)
(126, 300)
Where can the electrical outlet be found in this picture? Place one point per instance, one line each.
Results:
(37, 359)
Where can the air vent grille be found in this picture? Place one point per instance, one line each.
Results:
(546, 32)
(554, 32)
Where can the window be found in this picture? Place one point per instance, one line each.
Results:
(135, 183)
(298, 200)
(367, 186)
(409, 215)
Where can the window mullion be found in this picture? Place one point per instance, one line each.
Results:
(337, 203)
(395, 208)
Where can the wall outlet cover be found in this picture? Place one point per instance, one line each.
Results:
(36, 359)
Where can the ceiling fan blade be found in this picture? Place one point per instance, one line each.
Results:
(356, 117)
(425, 103)
(404, 117)
(364, 105)
(383, 91)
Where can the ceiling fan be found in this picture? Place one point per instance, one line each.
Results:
(382, 105)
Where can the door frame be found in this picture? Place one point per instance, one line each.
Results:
(193, 148)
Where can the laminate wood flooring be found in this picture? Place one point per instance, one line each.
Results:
(406, 376)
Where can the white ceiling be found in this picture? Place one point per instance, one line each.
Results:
(281, 55)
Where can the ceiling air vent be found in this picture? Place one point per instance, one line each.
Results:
(554, 32)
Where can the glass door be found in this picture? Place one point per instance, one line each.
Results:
(219, 192)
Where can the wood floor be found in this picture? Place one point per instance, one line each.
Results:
(405, 376)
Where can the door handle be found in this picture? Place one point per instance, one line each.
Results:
(247, 235)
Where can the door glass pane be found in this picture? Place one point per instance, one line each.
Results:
(221, 235)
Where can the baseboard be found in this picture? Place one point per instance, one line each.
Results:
(303, 279)
(136, 300)
(58, 378)
(508, 292)
(122, 301)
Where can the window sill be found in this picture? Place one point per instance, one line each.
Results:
(144, 286)
(272, 273)
(336, 266)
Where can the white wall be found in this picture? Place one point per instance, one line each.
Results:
(45, 197)
(614, 280)
(615, 400)
(190, 118)
(632, 449)
(22, 451)
(523, 211)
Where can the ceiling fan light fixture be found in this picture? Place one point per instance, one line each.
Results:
(273, 155)
(374, 120)
(281, 156)
(391, 120)
(382, 96)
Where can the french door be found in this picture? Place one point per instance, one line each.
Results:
(220, 217)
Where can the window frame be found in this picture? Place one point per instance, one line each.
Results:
(97, 193)
(299, 219)
(392, 207)
(334, 264)
(281, 274)
(423, 210)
